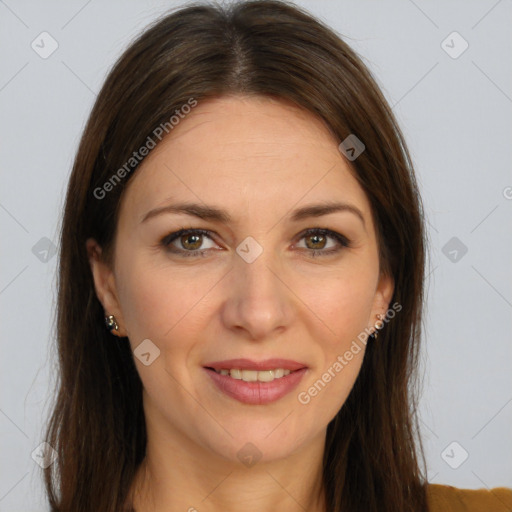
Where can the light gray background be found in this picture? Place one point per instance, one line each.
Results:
(456, 115)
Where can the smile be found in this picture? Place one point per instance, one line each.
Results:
(254, 375)
(255, 387)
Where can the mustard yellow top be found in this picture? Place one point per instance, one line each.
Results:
(445, 498)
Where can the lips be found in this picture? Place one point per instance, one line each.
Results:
(248, 364)
(256, 393)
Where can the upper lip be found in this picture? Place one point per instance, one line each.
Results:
(248, 364)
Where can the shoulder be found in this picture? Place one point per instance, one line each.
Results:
(445, 498)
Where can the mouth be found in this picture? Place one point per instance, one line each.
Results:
(255, 371)
(254, 382)
(253, 375)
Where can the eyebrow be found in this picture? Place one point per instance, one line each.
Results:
(218, 215)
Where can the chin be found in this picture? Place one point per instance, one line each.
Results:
(263, 441)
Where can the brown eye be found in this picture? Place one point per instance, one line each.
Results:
(191, 241)
(317, 241)
(323, 242)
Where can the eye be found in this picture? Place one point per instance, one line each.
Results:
(189, 242)
(316, 240)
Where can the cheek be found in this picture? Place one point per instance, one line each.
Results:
(158, 304)
(324, 393)
(341, 302)
(341, 342)
(155, 298)
(147, 308)
(340, 308)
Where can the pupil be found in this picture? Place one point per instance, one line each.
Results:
(195, 245)
(317, 239)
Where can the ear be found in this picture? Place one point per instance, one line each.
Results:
(383, 294)
(104, 284)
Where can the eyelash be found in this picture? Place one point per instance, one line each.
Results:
(343, 242)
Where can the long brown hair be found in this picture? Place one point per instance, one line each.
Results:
(373, 455)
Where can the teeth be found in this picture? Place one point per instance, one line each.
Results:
(254, 375)
(236, 374)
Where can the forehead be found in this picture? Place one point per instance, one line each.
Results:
(248, 153)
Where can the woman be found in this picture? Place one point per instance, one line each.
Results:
(244, 218)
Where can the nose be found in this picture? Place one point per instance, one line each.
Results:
(258, 302)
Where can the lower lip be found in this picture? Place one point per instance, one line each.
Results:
(257, 393)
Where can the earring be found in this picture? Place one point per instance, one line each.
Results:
(111, 323)
(375, 333)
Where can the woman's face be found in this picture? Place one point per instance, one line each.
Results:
(256, 283)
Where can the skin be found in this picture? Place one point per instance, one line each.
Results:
(258, 159)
